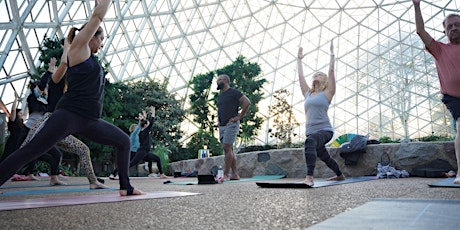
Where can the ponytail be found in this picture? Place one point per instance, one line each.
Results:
(71, 34)
(73, 30)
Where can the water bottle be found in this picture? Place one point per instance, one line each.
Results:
(220, 174)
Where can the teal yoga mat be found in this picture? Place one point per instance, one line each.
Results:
(446, 183)
(254, 178)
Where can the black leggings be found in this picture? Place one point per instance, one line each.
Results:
(61, 124)
(315, 146)
(52, 157)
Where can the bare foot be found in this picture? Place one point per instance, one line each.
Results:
(135, 192)
(98, 185)
(163, 176)
(54, 180)
(57, 182)
(341, 177)
(235, 177)
(309, 181)
(457, 180)
(32, 177)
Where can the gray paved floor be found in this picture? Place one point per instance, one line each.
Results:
(224, 206)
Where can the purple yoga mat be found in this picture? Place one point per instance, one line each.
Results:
(88, 199)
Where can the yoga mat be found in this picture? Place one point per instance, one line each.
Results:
(446, 183)
(135, 178)
(87, 199)
(396, 214)
(318, 183)
(30, 185)
(254, 178)
(50, 191)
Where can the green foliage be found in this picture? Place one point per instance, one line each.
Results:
(163, 153)
(51, 47)
(123, 103)
(182, 154)
(387, 140)
(284, 118)
(200, 108)
(436, 138)
(202, 138)
(43, 167)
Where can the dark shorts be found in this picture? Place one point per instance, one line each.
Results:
(453, 105)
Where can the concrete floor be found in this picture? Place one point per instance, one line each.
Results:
(222, 206)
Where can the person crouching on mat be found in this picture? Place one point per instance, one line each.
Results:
(318, 128)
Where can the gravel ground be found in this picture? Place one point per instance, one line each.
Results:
(239, 206)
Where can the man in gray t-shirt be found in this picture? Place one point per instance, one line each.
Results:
(228, 103)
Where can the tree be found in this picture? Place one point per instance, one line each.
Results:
(284, 118)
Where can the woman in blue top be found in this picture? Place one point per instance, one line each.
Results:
(79, 110)
(318, 128)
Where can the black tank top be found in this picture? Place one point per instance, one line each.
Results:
(85, 89)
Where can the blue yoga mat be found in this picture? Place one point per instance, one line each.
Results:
(29, 185)
(254, 178)
(447, 183)
(51, 191)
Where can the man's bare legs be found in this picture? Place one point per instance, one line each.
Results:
(230, 162)
(457, 152)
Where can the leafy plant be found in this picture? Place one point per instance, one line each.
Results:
(163, 153)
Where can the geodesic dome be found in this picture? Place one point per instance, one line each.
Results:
(386, 82)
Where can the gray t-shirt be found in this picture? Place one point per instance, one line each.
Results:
(316, 113)
(228, 104)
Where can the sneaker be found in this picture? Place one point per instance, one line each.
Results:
(153, 175)
(112, 177)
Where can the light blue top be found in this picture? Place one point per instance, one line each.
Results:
(316, 113)
(134, 137)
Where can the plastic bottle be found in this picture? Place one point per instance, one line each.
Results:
(220, 174)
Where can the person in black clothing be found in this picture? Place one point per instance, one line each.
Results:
(37, 110)
(56, 87)
(145, 140)
(15, 125)
(79, 110)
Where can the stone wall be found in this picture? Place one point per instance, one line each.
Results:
(291, 162)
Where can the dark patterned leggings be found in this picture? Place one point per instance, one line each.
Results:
(315, 146)
(61, 124)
